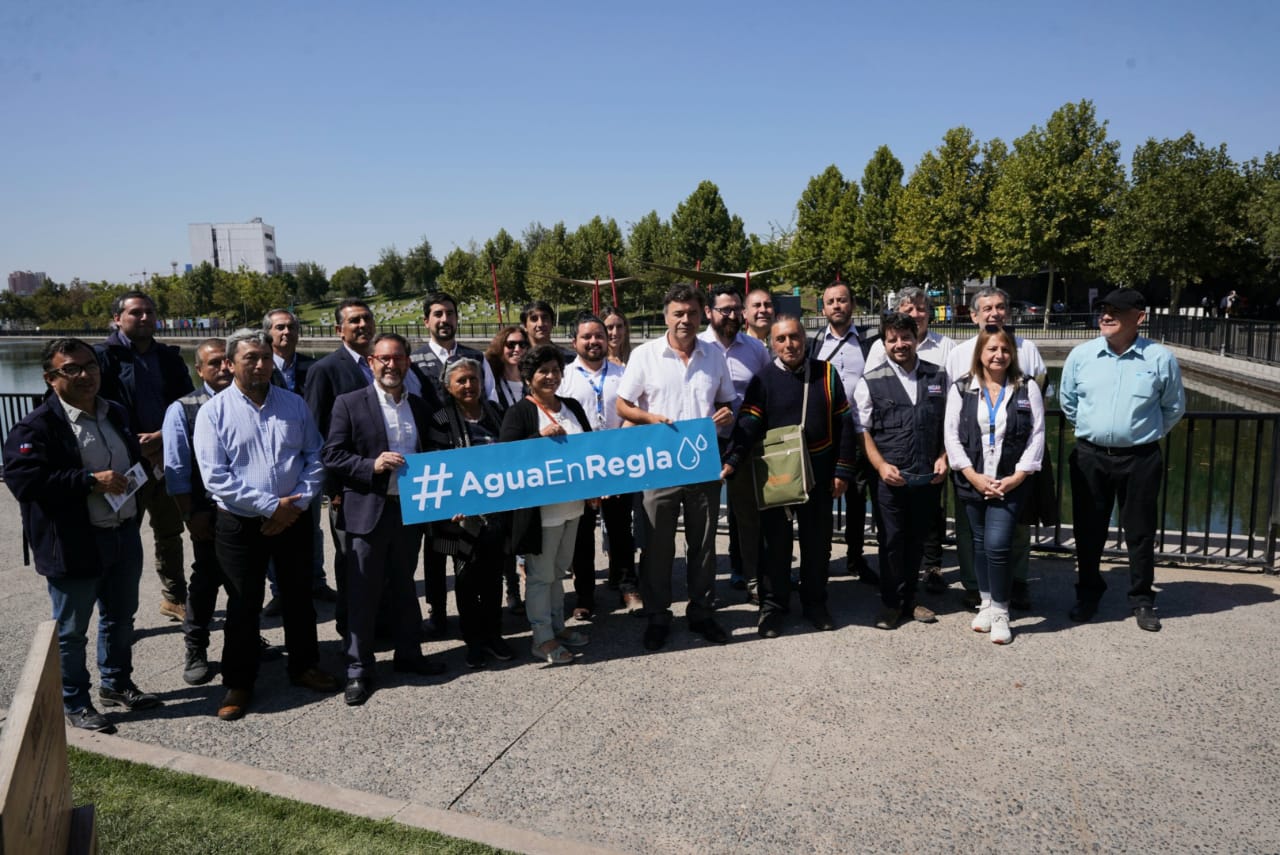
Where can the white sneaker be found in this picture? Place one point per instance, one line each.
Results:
(1000, 633)
(982, 620)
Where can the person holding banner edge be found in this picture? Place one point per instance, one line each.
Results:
(670, 379)
(546, 535)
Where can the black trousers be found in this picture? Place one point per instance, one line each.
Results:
(1100, 479)
(380, 567)
(814, 524)
(435, 580)
(616, 511)
(202, 594)
(243, 552)
(477, 586)
(904, 518)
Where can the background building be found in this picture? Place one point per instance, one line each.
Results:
(230, 246)
(24, 283)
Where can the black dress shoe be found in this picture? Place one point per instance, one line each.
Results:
(475, 657)
(90, 719)
(358, 691)
(770, 626)
(860, 568)
(710, 630)
(272, 608)
(655, 636)
(324, 594)
(436, 627)
(196, 670)
(1146, 617)
(422, 667)
(1083, 611)
(820, 618)
(130, 697)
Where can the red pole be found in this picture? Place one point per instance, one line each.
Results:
(595, 298)
(497, 300)
(747, 288)
(613, 284)
(697, 265)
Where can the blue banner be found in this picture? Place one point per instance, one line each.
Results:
(437, 485)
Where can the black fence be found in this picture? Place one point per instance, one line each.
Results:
(1255, 340)
(1220, 503)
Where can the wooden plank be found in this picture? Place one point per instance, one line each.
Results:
(35, 783)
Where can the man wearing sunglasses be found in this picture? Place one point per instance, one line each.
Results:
(1123, 394)
(989, 307)
(61, 462)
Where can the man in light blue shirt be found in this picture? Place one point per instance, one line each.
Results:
(1123, 394)
(259, 453)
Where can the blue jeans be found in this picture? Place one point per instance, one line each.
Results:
(992, 525)
(116, 593)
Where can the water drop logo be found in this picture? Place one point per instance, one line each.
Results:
(690, 453)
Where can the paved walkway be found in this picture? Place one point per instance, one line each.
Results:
(1074, 738)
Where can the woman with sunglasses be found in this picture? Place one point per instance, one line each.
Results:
(546, 535)
(476, 543)
(503, 356)
(994, 436)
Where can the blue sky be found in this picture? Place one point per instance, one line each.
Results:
(350, 128)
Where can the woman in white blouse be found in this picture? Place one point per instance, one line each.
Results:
(994, 436)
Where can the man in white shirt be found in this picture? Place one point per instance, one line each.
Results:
(840, 345)
(670, 379)
(932, 347)
(746, 357)
(592, 380)
(990, 307)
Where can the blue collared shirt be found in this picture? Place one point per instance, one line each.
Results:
(178, 459)
(1122, 400)
(250, 458)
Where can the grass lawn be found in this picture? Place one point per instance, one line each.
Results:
(140, 809)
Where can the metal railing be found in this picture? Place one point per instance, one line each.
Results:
(1219, 503)
(1255, 340)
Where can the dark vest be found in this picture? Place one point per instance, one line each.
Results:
(429, 366)
(1017, 433)
(908, 436)
(191, 404)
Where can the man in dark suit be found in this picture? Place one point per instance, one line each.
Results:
(290, 373)
(62, 462)
(345, 370)
(371, 432)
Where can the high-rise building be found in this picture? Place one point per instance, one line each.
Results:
(230, 246)
(24, 283)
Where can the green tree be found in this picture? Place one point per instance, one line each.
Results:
(1182, 219)
(877, 222)
(1054, 196)
(388, 275)
(349, 281)
(772, 250)
(825, 217)
(313, 285)
(421, 269)
(463, 275)
(510, 262)
(703, 230)
(940, 211)
(1263, 207)
(649, 239)
(551, 258)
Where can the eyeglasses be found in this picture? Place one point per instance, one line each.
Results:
(512, 345)
(72, 370)
(727, 311)
(995, 328)
(390, 359)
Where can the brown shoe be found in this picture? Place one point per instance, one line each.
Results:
(632, 603)
(173, 611)
(234, 704)
(923, 614)
(316, 680)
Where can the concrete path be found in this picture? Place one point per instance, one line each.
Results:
(1074, 738)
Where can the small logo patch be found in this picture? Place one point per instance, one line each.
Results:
(26, 448)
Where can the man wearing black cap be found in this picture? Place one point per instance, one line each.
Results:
(1122, 393)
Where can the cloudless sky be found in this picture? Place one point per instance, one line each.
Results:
(350, 127)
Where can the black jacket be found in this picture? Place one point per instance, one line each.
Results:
(117, 360)
(42, 469)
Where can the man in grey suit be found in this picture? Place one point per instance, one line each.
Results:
(371, 432)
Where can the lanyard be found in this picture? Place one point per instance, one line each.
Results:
(555, 418)
(599, 390)
(992, 409)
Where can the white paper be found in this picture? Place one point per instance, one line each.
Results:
(137, 477)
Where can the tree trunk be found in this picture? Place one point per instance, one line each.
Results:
(1048, 299)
